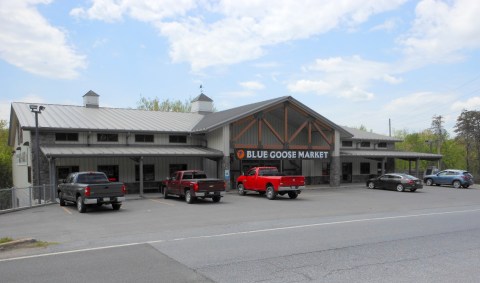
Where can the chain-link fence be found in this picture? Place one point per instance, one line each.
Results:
(16, 198)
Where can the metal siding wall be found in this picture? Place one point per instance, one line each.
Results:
(210, 168)
(216, 140)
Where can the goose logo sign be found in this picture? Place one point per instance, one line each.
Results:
(251, 154)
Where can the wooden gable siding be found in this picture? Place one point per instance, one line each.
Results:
(284, 126)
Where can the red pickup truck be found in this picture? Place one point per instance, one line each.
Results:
(193, 184)
(267, 180)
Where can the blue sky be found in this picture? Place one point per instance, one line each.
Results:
(354, 62)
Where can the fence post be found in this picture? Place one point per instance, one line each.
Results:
(54, 193)
(14, 198)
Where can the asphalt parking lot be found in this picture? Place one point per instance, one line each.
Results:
(172, 241)
(145, 219)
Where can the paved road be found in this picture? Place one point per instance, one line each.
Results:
(328, 235)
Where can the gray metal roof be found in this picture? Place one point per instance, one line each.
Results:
(218, 119)
(84, 151)
(79, 118)
(391, 154)
(68, 117)
(364, 135)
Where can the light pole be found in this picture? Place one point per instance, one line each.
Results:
(37, 110)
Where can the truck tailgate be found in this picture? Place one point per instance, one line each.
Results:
(106, 190)
(211, 185)
(293, 180)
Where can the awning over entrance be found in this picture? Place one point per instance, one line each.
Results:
(128, 151)
(379, 154)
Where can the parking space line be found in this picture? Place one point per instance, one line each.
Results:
(66, 210)
(162, 202)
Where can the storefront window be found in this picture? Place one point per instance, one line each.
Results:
(110, 170)
(364, 168)
(148, 172)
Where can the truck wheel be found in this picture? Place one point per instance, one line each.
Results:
(165, 192)
(81, 207)
(216, 198)
(293, 195)
(271, 194)
(241, 189)
(116, 206)
(60, 199)
(188, 197)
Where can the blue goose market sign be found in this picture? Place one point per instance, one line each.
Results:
(252, 154)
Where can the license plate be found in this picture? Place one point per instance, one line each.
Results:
(106, 199)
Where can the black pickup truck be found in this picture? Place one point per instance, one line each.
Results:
(84, 188)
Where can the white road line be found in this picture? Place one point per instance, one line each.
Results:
(243, 233)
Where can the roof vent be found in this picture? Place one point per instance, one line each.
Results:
(91, 99)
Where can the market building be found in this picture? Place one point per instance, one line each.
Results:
(141, 148)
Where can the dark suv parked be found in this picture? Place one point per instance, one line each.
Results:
(454, 177)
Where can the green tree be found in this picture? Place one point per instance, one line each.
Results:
(166, 105)
(5, 167)
(467, 129)
(5, 157)
(417, 142)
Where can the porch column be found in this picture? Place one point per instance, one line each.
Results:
(384, 160)
(335, 165)
(225, 171)
(409, 166)
(140, 170)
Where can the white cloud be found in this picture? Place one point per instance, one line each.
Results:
(441, 30)
(344, 77)
(228, 32)
(388, 25)
(419, 102)
(30, 43)
(252, 85)
(146, 10)
(470, 104)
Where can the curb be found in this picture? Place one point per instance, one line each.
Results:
(15, 243)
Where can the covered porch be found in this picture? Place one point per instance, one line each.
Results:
(141, 168)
